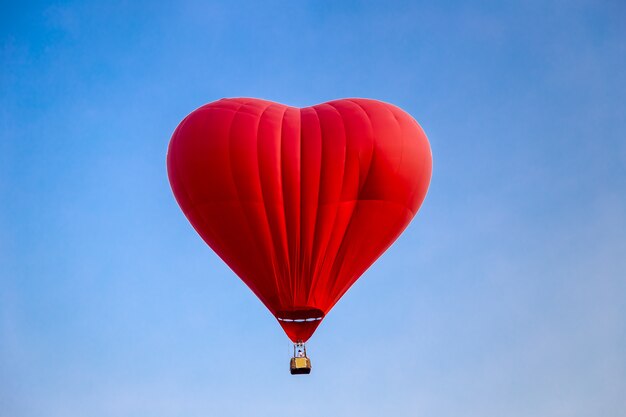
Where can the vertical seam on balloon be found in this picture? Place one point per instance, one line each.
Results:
(369, 167)
(229, 136)
(340, 249)
(312, 264)
(267, 222)
(421, 169)
(332, 283)
(298, 242)
(282, 197)
(293, 281)
(230, 165)
(304, 267)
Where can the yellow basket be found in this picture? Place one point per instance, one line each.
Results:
(299, 366)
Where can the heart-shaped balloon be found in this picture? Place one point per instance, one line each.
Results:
(299, 202)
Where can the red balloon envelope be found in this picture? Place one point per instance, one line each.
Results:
(299, 202)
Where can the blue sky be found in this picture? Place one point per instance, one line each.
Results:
(505, 296)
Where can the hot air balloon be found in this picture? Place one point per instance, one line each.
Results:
(299, 202)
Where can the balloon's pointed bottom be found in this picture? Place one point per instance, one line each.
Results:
(299, 331)
(300, 324)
